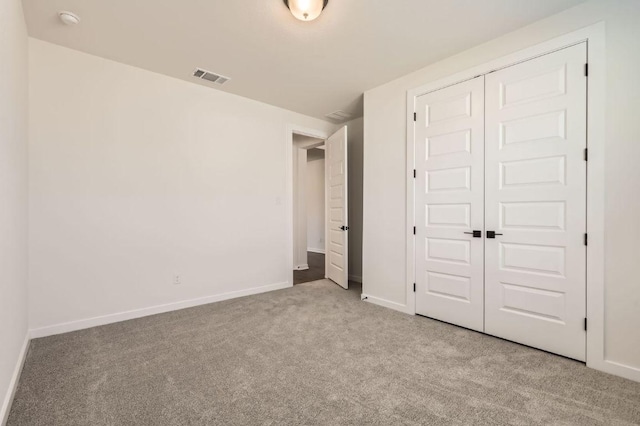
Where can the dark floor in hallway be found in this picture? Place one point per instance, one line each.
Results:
(315, 271)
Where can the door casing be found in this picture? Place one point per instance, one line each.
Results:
(595, 37)
(290, 130)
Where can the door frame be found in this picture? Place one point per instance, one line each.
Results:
(290, 130)
(594, 36)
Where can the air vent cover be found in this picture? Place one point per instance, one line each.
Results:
(210, 76)
(339, 116)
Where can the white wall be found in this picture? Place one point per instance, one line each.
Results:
(385, 174)
(299, 156)
(355, 157)
(135, 177)
(13, 195)
(315, 204)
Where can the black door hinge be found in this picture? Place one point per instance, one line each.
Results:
(585, 324)
(414, 173)
(586, 239)
(414, 287)
(586, 70)
(586, 154)
(415, 116)
(414, 230)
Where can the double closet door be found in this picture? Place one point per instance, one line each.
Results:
(500, 196)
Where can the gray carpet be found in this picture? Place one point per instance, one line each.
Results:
(312, 354)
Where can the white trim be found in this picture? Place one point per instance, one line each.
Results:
(302, 267)
(385, 303)
(595, 37)
(316, 250)
(326, 206)
(15, 379)
(615, 368)
(153, 310)
(288, 165)
(355, 278)
(410, 197)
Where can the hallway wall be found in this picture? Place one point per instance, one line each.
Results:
(315, 201)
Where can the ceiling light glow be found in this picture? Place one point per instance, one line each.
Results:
(306, 10)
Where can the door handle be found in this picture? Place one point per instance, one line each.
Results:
(476, 234)
(492, 234)
(344, 228)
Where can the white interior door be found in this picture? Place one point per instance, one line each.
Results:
(449, 194)
(337, 227)
(536, 202)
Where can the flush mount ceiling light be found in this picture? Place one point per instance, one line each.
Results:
(306, 10)
(68, 18)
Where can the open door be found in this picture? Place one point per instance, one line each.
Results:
(337, 214)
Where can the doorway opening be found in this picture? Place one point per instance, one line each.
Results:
(308, 209)
(336, 198)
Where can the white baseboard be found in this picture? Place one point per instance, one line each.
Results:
(617, 369)
(13, 384)
(302, 267)
(385, 303)
(316, 250)
(159, 309)
(356, 278)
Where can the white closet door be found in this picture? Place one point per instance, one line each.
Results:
(449, 204)
(536, 199)
(338, 247)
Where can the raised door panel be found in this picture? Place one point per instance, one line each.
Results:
(449, 204)
(338, 247)
(535, 283)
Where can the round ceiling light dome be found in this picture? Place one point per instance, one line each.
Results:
(306, 10)
(68, 18)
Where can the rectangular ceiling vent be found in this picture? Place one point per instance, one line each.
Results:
(210, 76)
(339, 116)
